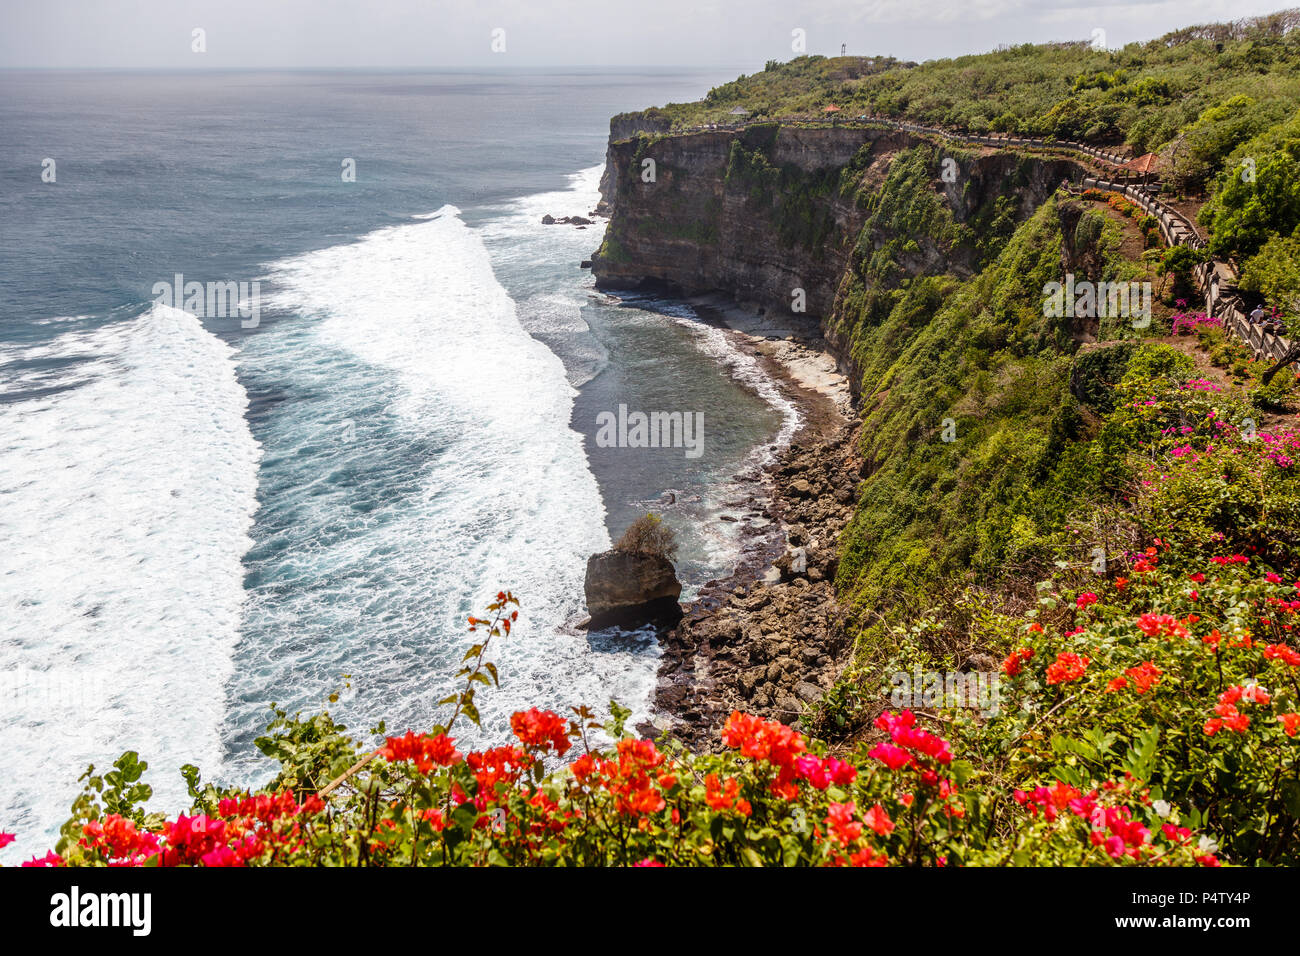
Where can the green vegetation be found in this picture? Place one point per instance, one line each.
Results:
(1114, 520)
(1195, 94)
(649, 535)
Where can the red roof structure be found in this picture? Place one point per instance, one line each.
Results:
(1143, 164)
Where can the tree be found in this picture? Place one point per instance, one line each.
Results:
(1249, 209)
(1274, 273)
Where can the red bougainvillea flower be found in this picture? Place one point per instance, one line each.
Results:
(118, 839)
(1121, 583)
(822, 773)
(648, 861)
(868, 857)
(762, 740)
(1035, 628)
(1290, 726)
(631, 778)
(1229, 716)
(49, 859)
(843, 826)
(1059, 796)
(904, 732)
(1144, 676)
(196, 840)
(722, 796)
(1250, 693)
(543, 729)
(1127, 837)
(500, 766)
(584, 767)
(424, 751)
(878, 820)
(767, 741)
(1153, 625)
(6, 839)
(1084, 599)
(1280, 652)
(1067, 667)
(1015, 660)
(267, 808)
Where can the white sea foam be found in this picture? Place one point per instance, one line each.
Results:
(519, 233)
(125, 505)
(464, 417)
(517, 239)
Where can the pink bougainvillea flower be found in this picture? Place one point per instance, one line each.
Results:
(892, 757)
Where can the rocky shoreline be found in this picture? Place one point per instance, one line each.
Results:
(770, 638)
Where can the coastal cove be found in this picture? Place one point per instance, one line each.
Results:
(868, 463)
(410, 427)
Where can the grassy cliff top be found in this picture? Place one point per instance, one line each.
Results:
(1145, 94)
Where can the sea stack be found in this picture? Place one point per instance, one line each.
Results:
(631, 589)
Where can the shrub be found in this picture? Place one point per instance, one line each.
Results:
(1153, 725)
(649, 535)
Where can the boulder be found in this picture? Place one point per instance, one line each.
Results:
(630, 589)
(800, 488)
(809, 692)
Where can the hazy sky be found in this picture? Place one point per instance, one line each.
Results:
(432, 33)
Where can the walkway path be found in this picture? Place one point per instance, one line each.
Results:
(1176, 228)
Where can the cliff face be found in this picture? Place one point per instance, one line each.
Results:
(926, 266)
(712, 220)
(759, 213)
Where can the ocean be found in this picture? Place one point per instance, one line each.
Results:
(202, 514)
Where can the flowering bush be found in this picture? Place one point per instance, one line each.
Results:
(1166, 709)
(1185, 323)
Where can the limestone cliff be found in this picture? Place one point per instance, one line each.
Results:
(761, 212)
